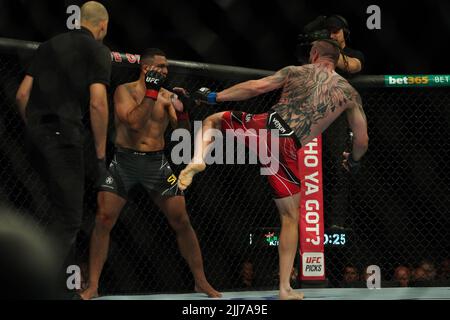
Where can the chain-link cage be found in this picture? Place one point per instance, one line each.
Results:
(394, 212)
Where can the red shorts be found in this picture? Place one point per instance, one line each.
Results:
(285, 181)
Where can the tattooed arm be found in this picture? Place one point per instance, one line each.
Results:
(358, 123)
(253, 88)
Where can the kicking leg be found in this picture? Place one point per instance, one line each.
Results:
(289, 214)
(174, 209)
(109, 207)
(202, 140)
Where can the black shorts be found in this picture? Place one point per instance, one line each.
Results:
(149, 169)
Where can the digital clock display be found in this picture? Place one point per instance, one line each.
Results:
(269, 237)
(335, 239)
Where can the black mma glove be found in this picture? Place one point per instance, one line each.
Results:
(153, 82)
(205, 95)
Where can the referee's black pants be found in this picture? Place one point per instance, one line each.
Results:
(336, 178)
(58, 156)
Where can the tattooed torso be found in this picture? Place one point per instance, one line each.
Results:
(312, 98)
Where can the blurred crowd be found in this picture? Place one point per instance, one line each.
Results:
(424, 274)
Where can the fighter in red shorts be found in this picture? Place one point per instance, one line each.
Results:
(284, 179)
(313, 96)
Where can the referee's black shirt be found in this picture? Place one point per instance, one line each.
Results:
(63, 70)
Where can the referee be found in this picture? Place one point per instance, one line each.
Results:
(66, 80)
(336, 139)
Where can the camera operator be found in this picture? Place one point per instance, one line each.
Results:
(351, 61)
(349, 64)
(338, 136)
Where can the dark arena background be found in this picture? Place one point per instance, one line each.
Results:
(394, 212)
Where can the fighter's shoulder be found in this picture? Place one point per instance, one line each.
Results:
(350, 93)
(300, 69)
(354, 94)
(295, 71)
(340, 78)
(343, 82)
(128, 86)
(125, 90)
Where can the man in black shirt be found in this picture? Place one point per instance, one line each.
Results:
(349, 64)
(67, 79)
(350, 61)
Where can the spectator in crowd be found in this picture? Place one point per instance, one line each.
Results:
(402, 276)
(365, 275)
(418, 277)
(444, 270)
(419, 274)
(430, 270)
(247, 275)
(351, 278)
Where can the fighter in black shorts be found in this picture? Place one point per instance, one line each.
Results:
(143, 111)
(149, 169)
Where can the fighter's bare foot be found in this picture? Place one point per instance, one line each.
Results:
(89, 294)
(208, 290)
(291, 295)
(186, 175)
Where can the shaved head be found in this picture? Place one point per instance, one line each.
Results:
(326, 50)
(95, 18)
(93, 12)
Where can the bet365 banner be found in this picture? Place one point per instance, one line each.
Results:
(417, 80)
(311, 235)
